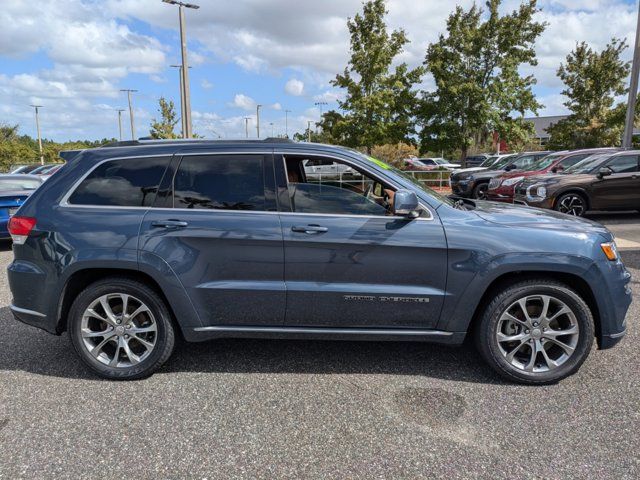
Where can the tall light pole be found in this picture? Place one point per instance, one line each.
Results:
(627, 140)
(185, 66)
(309, 130)
(286, 123)
(133, 128)
(120, 110)
(271, 123)
(246, 126)
(258, 107)
(179, 67)
(321, 105)
(38, 130)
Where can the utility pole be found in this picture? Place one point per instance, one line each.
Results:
(258, 107)
(120, 110)
(627, 140)
(309, 130)
(38, 130)
(182, 118)
(185, 66)
(286, 123)
(133, 128)
(321, 105)
(246, 126)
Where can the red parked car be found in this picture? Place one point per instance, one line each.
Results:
(502, 188)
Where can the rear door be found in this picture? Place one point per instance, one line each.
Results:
(621, 189)
(216, 227)
(348, 262)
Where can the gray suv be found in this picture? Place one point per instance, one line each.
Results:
(132, 245)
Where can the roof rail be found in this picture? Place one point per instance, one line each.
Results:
(177, 141)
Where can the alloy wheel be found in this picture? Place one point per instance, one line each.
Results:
(572, 205)
(537, 333)
(481, 192)
(118, 330)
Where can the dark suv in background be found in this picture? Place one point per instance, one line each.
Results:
(475, 184)
(131, 245)
(605, 181)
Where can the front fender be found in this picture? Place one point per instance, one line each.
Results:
(461, 304)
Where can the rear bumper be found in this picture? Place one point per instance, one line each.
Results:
(33, 318)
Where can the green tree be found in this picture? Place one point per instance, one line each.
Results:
(379, 100)
(479, 88)
(163, 128)
(592, 81)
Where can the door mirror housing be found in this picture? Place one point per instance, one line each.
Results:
(405, 204)
(508, 168)
(604, 172)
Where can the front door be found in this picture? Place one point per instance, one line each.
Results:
(218, 231)
(348, 261)
(621, 189)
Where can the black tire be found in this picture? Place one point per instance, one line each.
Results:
(486, 334)
(163, 336)
(572, 203)
(480, 191)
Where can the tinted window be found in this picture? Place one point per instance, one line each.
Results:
(224, 182)
(130, 182)
(624, 164)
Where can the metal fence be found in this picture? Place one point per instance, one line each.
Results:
(434, 179)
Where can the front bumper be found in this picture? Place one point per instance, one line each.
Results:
(496, 197)
(462, 188)
(533, 202)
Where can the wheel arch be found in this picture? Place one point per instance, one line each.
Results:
(82, 278)
(580, 191)
(571, 280)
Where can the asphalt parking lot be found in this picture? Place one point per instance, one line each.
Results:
(299, 409)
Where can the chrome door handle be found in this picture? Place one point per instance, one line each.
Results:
(170, 224)
(310, 229)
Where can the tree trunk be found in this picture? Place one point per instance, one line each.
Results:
(463, 157)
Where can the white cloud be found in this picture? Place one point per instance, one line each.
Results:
(244, 102)
(294, 87)
(206, 84)
(276, 106)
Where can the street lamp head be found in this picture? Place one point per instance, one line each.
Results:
(182, 4)
(36, 106)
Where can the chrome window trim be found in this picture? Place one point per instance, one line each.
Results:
(65, 199)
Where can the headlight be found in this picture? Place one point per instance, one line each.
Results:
(536, 191)
(512, 181)
(541, 192)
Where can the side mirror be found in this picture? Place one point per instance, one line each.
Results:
(508, 168)
(405, 204)
(604, 172)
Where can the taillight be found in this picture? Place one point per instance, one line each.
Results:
(20, 228)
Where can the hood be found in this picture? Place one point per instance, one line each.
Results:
(559, 178)
(519, 216)
(488, 173)
(465, 172)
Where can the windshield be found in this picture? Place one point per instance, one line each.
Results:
(407, 176)
(9, 184)
(589, 164)
(503, 162)
(544, 162)
(489, 161)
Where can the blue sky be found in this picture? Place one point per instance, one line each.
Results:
(73, 57)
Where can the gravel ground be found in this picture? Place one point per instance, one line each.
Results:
(297, 409)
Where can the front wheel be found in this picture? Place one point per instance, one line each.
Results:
(121, 329)
(572, 204)
(536, 332)
(480, 191)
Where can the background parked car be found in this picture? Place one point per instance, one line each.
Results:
(25, 168)
(502, 188)
(414, 163)
(438, 162)
(609, 181)
(14, 189)
(475, 160)
(45, 169)
(475, 184)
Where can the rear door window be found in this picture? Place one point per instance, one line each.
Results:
(127, 182)
(220, 182)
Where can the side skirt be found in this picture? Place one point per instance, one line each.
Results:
(317, 333)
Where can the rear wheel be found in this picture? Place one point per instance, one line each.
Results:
(121, 329)
(480, 191)
(536, 332)
(572, 204)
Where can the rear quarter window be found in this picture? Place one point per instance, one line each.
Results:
(129, 182)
